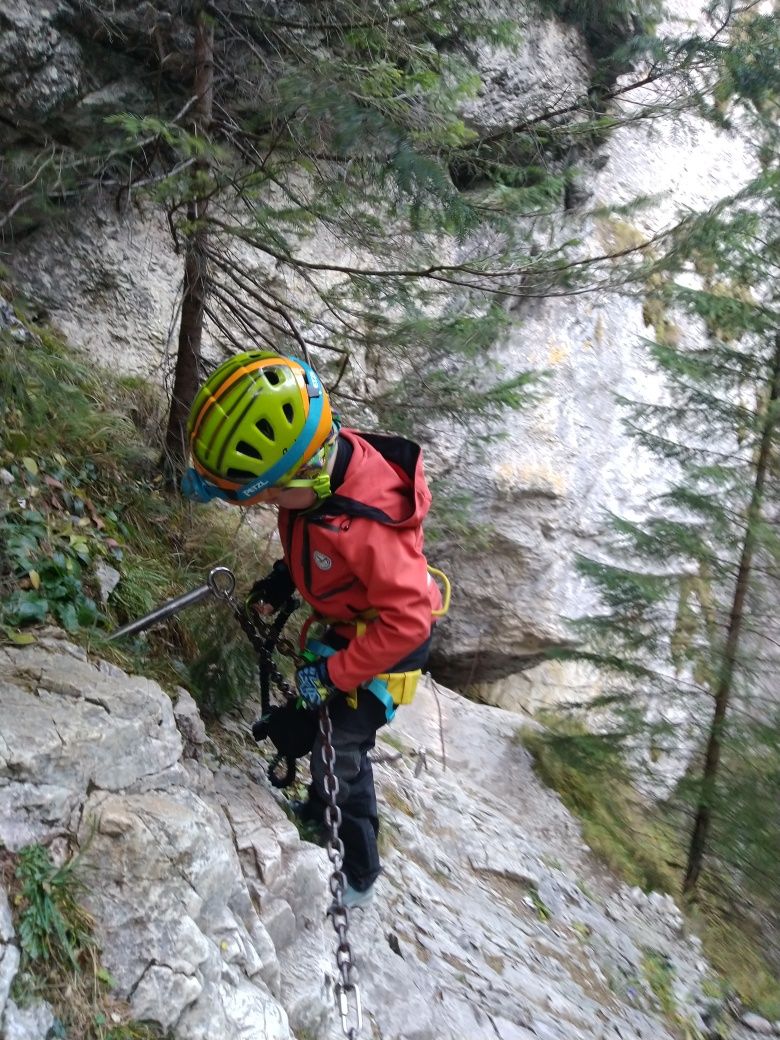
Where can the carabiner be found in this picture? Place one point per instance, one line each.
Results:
(351, 1032)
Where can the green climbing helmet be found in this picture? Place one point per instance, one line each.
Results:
(257, 420)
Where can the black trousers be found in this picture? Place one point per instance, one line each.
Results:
(354, 735)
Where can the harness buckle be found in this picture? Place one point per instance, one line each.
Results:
(343, 999)
(320, 485)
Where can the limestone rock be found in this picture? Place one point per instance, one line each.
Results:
(101, 260)
(9, 952)
(505, 863)
(550, 66)
(68, 726)
(107, 579)
(210, 911)
(28, 1023)
(188, 719)
(542, 686)
(41, 66)
(757, 1024)
(88, 748)
(558, 468)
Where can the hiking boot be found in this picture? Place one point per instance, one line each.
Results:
(355, 899)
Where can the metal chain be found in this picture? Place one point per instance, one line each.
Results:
(251, 627)
(338, 913)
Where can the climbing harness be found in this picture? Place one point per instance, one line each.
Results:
(221, 584)
(392, 689)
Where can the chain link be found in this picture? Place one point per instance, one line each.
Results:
(252, 626)
(339, 914)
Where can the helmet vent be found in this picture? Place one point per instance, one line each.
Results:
(289, 414)
(272, 375)
(266, 429)
(248, 449)
(239, 474)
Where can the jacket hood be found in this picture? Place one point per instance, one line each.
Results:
(384, 481)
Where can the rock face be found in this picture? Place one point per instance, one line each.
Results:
(111, 282)
(559, 468)
(43, 68)
(93, 754)
(491, 918)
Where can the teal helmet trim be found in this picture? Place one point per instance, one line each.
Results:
(199, 489)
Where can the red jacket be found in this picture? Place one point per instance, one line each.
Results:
(362, 550)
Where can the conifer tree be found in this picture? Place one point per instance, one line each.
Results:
(195, 289)
(338, 132)
(342, 125)
(689, 591)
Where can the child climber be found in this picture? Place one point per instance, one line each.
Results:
(351, 508)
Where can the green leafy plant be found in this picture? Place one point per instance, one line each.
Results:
(88, 496)
(659, 973)
(60, 960)
(53, 928)
(50, 538)
(60, 447)
(543, 911)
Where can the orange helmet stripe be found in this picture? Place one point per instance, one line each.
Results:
(320, 434)
(244, 370)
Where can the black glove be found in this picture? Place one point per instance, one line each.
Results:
(274, 589)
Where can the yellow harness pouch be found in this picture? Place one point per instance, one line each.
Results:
(391, 688)
(401, 686)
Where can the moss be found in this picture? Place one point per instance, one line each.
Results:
(590, 779)
(659, 974)
(60, 958)
(733, 949)
(618, 236)
(655, 315)
(543, 911)
(393, 740)
(581, 930)
(385, 839)
(73, 443)
(644, 849)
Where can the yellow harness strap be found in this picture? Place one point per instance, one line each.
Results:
(445, 600)
(401, 686)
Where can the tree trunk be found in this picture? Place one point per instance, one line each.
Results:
(186, 375)
(724, 688)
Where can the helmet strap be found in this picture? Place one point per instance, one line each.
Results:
(319, 482)
(320, 485)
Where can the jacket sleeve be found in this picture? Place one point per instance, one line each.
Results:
(390, 564)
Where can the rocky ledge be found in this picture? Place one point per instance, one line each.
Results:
(492, 922)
